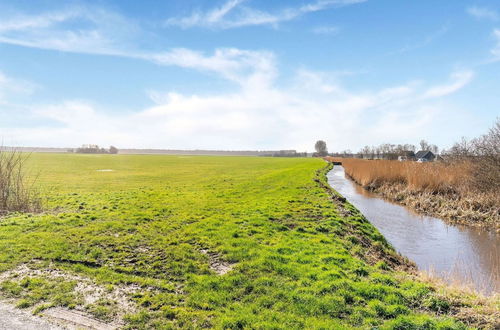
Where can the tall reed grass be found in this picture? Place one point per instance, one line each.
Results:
(447, 190)
(436, 177)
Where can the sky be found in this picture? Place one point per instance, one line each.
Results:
(247, 74)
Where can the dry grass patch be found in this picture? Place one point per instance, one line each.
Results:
(463, 302)
(54, 292)
(17, 192)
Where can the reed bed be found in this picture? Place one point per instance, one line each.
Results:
(439, 189)
(436, 177)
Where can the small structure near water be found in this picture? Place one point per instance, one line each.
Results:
(425, 155)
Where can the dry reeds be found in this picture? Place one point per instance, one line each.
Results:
(17, 193)
(446, 190)
(435, 177)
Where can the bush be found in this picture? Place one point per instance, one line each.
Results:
(483, 153)
(17, 193)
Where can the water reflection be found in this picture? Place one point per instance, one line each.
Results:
(454, 253)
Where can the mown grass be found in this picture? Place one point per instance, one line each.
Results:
(302, 257)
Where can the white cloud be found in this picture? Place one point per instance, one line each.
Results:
(327, 30)
(259, 115)
(22, 22)
(426, 41)
(496, 51)
(246, 16)
(110, 34)
(255, 117)
(10, 87)
(211, 17)
(458, 81)
(241, 66)
(74, 29)
(483, 13)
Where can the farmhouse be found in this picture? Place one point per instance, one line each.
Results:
(406, 155)
(426, 155)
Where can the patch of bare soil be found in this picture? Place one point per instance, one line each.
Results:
(91, 293)
(76, 320)
(218, 265)
(14, 318)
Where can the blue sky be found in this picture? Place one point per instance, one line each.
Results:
(247, 74)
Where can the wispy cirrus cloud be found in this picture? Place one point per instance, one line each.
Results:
(326, 30)
(96, 31)
(483, 13)
(234, 14)
(78, 29)
(458, 80)
(10, 87)
(426, 41)
(496, 50)
(241, 66)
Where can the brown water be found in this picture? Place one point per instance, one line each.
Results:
(460, 254)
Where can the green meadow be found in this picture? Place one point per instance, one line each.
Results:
(207, 242)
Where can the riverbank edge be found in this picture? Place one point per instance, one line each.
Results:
(451, 208)
(462, 303)
(397, 261)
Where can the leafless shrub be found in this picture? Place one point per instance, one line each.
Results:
(487, 168)
(17, 191)
(483, 154)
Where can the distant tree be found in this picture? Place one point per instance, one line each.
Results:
(410, 147)
(347, 153)
(366, 152)
(424, 145)
(321, 149)
(483, 154)
(434, 148)
(113, 150)
(462, 149)
(94, 149)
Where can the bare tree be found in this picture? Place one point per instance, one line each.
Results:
(483, 154)
(461, 149)
(434, 148)
(424, 145)
(487, 160)
(17, 193)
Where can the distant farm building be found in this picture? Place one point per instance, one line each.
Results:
(406, 155)
(425, 155)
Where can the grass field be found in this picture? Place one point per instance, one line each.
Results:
(194, 242)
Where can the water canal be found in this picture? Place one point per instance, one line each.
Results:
(454, 253)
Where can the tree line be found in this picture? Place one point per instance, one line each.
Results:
(383, 151)
(94, 149)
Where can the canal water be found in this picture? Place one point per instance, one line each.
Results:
(456, 254)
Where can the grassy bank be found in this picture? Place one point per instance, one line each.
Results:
(437, 189)
(200, 242)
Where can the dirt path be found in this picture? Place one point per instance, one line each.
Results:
(12, 318)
